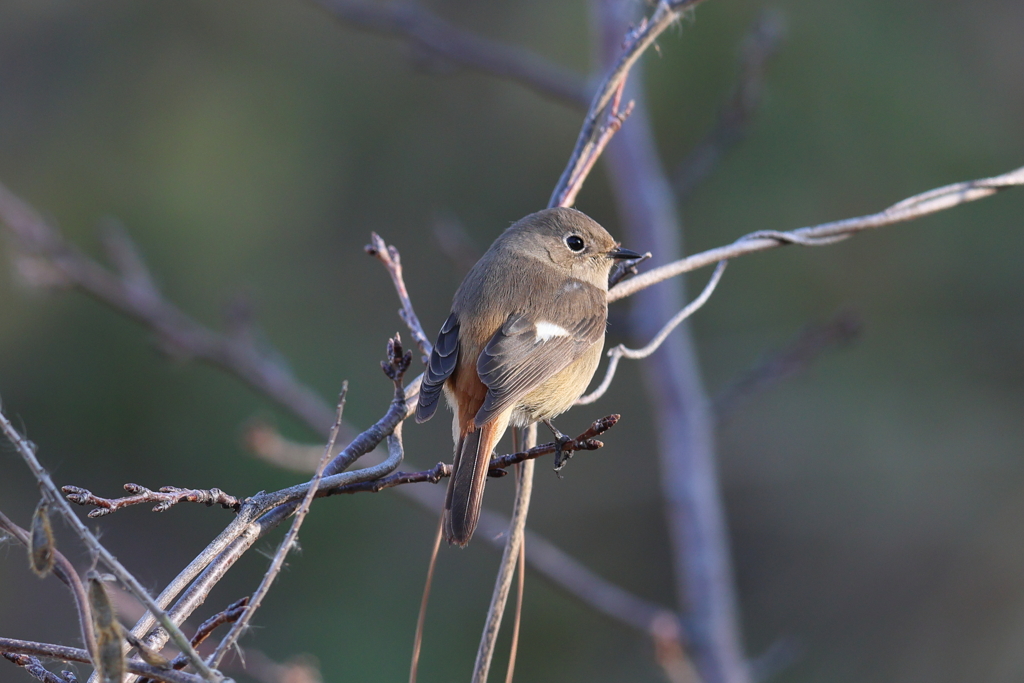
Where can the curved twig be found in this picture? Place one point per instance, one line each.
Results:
(919, 205)
(66, 572)
(621, 351)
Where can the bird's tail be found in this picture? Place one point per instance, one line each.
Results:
(469, 475)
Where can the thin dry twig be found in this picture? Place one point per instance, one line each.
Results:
(33, 667)
(421, 618)
(392, 260)
(439, 39)
(603, 117)
(759, 46)
(292, 537)
(166, 498)
(74, 654)
(41, 248)
(919, 205)
(66, 572)
(517, 621)
(509, 558)
(791, 359)
(603, 133)
(228, 615)
(621, 351)
(499, 463)
(262, 513)
(27, 452)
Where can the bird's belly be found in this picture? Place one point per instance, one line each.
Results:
(559, 393)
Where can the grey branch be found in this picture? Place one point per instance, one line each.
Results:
(264, 512)
(437, 38)
(917, 206)
(66, 572)
(292, 537)
(42, 252)
(621, 351)
(694, 514)
(74, 654)
(392, 260)
(603, 117)
(166, 498)
(509, 559)
(27, 452)
(734, 117)
(33, 667)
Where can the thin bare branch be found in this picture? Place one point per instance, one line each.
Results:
(517, 621)
(603, 117)
(421, 618)
(166, 498)
(439, 39)
(791, 359)
(262, 513)
(621, 351)
(509, 558)
(74, 654)
(292, 537)
(33, 667)
(392, 260)
(917, 206)
(27, 452)
(228, 615)
(66, 572)
(759, 46)
(134, 295)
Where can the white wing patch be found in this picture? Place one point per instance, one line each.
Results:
(546, 330)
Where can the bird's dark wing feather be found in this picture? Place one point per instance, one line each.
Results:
(441, 364)
(521, 356)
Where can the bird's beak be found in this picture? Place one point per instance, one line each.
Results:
(620, 253)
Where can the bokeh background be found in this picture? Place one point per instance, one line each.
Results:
(876, 500)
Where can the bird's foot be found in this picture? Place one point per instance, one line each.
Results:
(561, 455)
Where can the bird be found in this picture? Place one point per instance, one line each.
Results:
(521, 344)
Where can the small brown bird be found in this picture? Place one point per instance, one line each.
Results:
(521, 344)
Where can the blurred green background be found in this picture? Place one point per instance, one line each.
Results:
(876, 502)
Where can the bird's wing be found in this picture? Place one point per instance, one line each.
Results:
(534, 345)
(442, 363)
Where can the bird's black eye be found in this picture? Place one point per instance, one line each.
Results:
(574, 242)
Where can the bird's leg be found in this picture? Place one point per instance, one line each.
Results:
(561, 456)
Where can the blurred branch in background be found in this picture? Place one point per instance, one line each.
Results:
(452, 238)
(733, 122)
(438, 39)
(792, 359)
(45, 259)
(683, 428)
